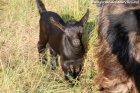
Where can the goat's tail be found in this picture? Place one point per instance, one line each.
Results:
(41, 6)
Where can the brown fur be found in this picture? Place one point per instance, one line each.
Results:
(113, 78)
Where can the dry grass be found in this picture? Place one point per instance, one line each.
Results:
(20, 69)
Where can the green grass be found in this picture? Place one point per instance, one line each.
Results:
(20, 69)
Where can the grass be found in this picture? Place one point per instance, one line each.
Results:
(20, 69)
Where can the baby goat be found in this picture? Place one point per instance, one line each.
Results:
(64, 39)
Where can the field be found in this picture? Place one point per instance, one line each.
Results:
(20, 69)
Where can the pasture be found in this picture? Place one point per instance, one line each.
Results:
(20, 69)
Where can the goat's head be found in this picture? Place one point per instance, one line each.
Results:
(73, 29)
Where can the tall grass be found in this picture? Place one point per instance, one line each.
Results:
(20, 69)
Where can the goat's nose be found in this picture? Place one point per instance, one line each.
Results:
(76, 42)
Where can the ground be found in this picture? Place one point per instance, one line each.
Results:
(20, 69)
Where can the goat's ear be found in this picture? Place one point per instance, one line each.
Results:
(84, 19)
(57, 24)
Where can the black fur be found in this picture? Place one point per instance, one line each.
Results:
(119, 40)
(64, 39)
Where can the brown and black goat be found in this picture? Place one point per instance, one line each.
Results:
(118, 48)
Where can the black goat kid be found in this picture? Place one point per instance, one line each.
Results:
(64, 39)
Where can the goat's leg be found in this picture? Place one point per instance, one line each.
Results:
(42, 54)
(41, 47)
(54, 59)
